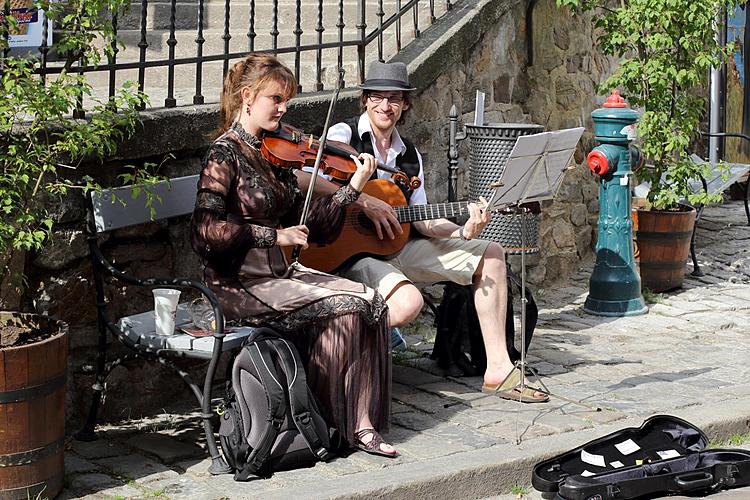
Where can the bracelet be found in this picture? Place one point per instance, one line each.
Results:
(461, 233)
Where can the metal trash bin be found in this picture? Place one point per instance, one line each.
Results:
(489, 148)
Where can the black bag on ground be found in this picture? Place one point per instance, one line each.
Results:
(458, 339)
(271, 420)
(664, 455)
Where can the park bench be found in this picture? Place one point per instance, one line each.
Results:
(718, 183)
(105, 213)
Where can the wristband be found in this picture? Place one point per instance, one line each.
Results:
(461, 233)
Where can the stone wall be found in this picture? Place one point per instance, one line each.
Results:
(480, 46)
(558, 90)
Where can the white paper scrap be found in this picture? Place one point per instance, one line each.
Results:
(587, 473)
(668, 454)
(627, 447)
(616, 464)
(592, 459)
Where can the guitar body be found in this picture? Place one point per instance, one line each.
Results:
(358, 236)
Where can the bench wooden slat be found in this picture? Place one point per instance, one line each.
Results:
(737, 171)
(177, 198)
(140, 329)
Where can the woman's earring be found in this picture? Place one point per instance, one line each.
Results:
(249, 110)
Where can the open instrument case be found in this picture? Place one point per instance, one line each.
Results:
(664, 455)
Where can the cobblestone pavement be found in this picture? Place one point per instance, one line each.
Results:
(688, 357)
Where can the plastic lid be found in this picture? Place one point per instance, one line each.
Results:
(615, 100)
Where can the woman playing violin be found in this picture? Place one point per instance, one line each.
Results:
(247, 210)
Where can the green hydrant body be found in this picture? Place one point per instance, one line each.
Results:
(614, 286)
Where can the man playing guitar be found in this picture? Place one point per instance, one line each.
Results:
(447, 252)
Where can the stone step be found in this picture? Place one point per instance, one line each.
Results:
(156, 78)
(155, 81)
(213, 44)
(158, 14)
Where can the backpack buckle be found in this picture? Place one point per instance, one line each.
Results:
(322, 454)
(303, 418)
(220, 409)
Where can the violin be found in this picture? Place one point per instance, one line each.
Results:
(289, 147)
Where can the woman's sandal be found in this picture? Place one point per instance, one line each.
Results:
(510, 388)
(373, 446)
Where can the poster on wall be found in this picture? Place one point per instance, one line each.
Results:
(739, 35)
(30, 29)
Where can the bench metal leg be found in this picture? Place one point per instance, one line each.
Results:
(87, 433)
(218, 465)
(747, 199)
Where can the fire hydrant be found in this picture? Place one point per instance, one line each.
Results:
(614, 286)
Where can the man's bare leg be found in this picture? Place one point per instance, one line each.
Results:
(490, 300)
(404, 303)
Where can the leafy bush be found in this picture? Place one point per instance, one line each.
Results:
(666, 49)
(41, 144)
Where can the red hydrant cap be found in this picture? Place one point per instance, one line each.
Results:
(615, 100)
(598, 162)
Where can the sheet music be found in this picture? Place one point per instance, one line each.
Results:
(536, 167)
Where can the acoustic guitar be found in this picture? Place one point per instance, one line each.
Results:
(358, 236)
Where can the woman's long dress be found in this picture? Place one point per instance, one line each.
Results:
(339, 326)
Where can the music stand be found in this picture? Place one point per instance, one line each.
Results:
(534, 172)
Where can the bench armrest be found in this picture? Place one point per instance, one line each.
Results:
(107, 266)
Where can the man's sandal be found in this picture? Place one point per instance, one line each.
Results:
(510, 388)
(373, 446)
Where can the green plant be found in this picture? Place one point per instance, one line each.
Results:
(652, 297)
(42, 147)
(733, 440)
(666, 48)
(519, 491)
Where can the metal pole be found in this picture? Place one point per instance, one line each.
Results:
(717, 95)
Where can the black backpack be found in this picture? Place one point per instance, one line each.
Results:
(271, 420)
(459, 347)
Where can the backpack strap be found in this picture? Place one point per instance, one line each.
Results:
(299, 398)
(261, 358)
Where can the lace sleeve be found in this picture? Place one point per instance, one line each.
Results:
(345, 195)
(216, 235)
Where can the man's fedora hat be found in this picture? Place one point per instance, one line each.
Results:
(387, 76)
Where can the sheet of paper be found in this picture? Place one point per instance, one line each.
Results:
(668, 454)
(587, 473)
(627, 447)
(592, 459)
(616, 464)
(536, 166)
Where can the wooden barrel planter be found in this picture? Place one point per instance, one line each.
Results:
(663, 241)
(32, 409)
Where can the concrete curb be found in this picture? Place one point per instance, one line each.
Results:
(495, 470)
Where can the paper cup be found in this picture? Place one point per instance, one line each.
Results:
(165, 309)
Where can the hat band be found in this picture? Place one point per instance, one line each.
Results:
(384, 82)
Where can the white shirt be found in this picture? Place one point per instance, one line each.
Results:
(343, 133)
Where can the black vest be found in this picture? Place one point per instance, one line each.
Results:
(407, 162)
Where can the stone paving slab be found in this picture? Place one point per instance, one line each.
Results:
(689, 356)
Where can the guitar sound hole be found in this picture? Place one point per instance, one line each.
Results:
(364, 225)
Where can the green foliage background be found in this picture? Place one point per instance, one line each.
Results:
(41, 144)
(667, 48)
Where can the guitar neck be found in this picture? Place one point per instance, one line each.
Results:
(433, 211)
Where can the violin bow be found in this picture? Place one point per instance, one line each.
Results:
(316, 166)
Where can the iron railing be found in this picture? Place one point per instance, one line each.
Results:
(291, 36)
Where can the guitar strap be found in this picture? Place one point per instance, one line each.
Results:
(407, 162)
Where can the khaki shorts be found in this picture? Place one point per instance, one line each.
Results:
(423, 260)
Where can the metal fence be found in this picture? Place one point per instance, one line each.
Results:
(180, 51)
